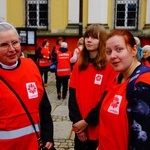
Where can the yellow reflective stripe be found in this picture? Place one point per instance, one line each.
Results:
(62, 70)
(6, 135)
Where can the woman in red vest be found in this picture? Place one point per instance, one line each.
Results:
(17, 131)
(89, 80)
(124, 117)
(56, 48)
(44, 60)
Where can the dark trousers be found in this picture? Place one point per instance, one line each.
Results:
(62, 81)
(44, 71)
(88, 145)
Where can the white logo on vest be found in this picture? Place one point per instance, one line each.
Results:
(31, 90)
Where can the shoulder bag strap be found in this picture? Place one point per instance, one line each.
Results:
(137, 72)
(24, 107)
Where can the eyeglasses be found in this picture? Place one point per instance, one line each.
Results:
(14, 44)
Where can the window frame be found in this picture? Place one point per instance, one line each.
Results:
(37, 16)
(126, 12)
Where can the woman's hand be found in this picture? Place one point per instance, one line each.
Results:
(80, 126)
(82, 136)
(49, 145)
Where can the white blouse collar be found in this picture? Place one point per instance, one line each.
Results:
(9, 67)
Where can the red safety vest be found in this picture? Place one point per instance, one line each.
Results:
(44, 62)
(57, 47)
(90, 85)
(63, 64)
(16, 131)
(146, 63)
(45, 52)
(113, 120)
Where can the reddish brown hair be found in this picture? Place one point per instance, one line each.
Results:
(59, 39)
(127, 35)
(44, 42)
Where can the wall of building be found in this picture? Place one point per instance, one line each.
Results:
(71, 40)
(3, 10)
(58, 14)
(142, 12)
(15, 12)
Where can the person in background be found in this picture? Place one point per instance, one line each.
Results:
(89, 80)
(77, 51)
(56, 48)
(139, 52)
(22, 54)
(44, 60)
(146, 55)
(63, 70)
(54, 52)
(16, 130)
(124, 123)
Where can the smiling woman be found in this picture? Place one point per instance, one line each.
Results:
(90, 79)
(21, 86)
(125, 109)
(9, 44)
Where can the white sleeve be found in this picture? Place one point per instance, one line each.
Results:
(74, 58)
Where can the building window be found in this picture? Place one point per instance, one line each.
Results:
(126, 14)
(37, 13)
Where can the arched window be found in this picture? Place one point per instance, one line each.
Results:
(126, 14)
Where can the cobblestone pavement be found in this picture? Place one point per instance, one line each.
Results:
(63, 135)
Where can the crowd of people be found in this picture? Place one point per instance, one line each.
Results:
(64, 60)
(106, 77)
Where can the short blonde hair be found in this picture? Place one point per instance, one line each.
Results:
(5, 26)
(146, 48)
(137, 40)
(80, 41)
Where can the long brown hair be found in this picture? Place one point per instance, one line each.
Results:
(99, 62)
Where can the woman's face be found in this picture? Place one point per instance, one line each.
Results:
(9, 47)
(91, 43)
(60, 41)
(146, 54)
(119, 54)
(47, 44)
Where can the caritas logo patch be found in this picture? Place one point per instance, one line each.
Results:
(98, 79)
(31, 90)
(115, 104)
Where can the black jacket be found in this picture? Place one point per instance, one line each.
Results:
(74, 113)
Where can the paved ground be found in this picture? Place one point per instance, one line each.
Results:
(63, 136)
